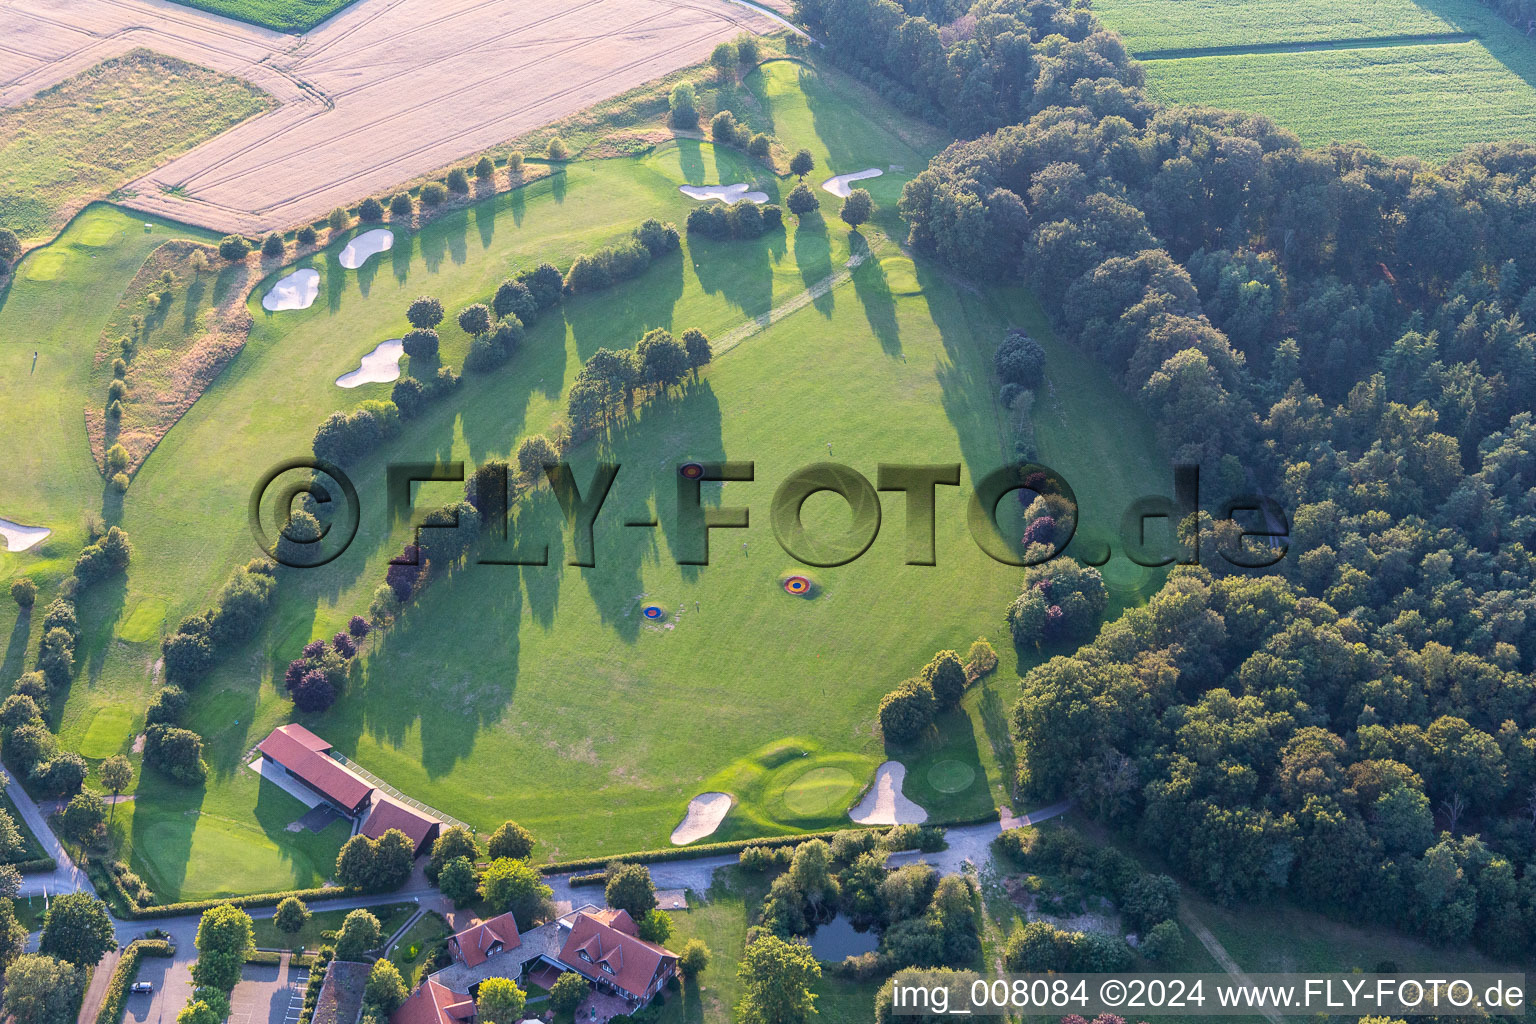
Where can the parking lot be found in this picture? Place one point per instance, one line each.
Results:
(268, 994)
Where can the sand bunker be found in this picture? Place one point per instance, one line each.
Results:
(20, 538)
(842, 184)
(884, 803)
(380, 366)
(705, 813)
(369, 243)
(296, 291)
(725, 193)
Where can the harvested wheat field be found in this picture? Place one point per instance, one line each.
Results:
(383, 92)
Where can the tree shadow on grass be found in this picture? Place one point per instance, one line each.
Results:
(484, 215)
(165, 815)
(619, 316)
(995, 720)
(99, 608)
(400, 254)
(16, 648)
(874, 295)
(739, 269)
(690, 156)
(813, 255)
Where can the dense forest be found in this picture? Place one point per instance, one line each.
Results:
(1345, 332)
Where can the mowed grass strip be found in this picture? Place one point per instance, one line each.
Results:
(1428, 101)
(106, 126)
(1150, 25)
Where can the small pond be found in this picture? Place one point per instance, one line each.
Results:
(837, 939)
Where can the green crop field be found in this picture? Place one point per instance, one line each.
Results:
(1155, 25)
(558, 708)
(106, 126)
(1427, 101)
(1407, 77)
(283, 15)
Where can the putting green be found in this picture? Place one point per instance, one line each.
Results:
(142, 623)
(108, 732)
(900, 275)
(821, 791)
(46, 265)
(951, 776)
(98, 233)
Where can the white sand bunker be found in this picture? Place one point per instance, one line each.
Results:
(296, 291)
(20, 538)
(843, 183)
(369, 243)
(380, 366)
(884, 803)
(705, 813)
(725, 193)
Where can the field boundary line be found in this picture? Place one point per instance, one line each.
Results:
(1311, 46)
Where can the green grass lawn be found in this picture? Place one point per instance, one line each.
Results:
(414, 950)
(106, 126)
(267, 935)
(558, 708)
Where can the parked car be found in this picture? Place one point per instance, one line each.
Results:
(142, 986)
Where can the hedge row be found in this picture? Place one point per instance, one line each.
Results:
(690, 852)
(35, 867)
(265, 899)
(128, 969)
(595, 878)
(264, 956)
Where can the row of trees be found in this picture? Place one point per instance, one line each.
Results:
(610, 380)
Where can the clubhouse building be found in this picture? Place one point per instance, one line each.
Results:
(306, 761)
(603, 946)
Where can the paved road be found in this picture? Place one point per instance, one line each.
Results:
(66, 877)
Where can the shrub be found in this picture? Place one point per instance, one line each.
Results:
(119, 368)
(272, 246)
(906, 711)
(234, 248)
(167, 706)
(857, 207)
(344, 437)
(723, 127)
(10, 246)
(746, 50)
(568, 992)
(659, 238)
(802, 200)
(1164, 942)
(760, 146)
(24, 592)
(1020, 360)
(338, 220)
(433, 193)
(371, 211)
(485, 168)
(420, 343)
(510, 839)
(425, 312)
(458, 181)
(694, 958)
(946, 676)
(307, 235)
(401, 205)
(802, 163)
(682, 106)
(120, 482)
(545, 283)
(557, 149)
(513, 298)
(177, 752)
(723, 58)
(515, 162)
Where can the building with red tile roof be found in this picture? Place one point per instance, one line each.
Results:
(386, 813)
(478, 943)
(434, 1004)
(306, 757)
(605, 948)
